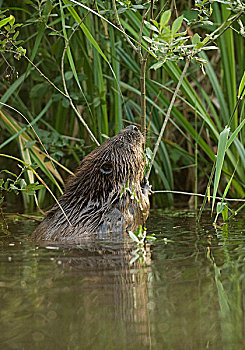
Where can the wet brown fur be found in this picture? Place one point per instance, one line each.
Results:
(92, 200)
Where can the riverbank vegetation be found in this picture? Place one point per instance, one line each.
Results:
(74, 73)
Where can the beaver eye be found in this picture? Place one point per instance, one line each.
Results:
(132, 127)
(121, 144)
(106, 168)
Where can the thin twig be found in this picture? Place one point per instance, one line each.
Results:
(40, 72)
(162, 10)
(142, 27)
(12, 68)
(143, 61)
(231, 20)
(167, 116)
(121, 27)
(151, 32)
(198, 195)
(100, 16)
(175, 8)
(143, 97)
(44, 76)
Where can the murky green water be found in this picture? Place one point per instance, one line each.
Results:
(191, 295)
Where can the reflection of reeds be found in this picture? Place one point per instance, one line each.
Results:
(229, 286)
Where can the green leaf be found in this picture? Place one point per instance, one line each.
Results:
(165, 17)
(217, 88)
(241, 90)
(149, 153)
(210, 47)
(151, 238)
(205, 40)
(4, 21)
(220, 160)
(196, 39)
(220, 207)
(133, 236)
(15, 35)
(155, 23)
(157, 65)
(13, 187)
(8, 172)
(235, 133)
(151, 27)
(11, 20)
(177, 24)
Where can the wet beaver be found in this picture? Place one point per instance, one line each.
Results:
(95, 199)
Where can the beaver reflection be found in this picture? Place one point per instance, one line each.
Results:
(107, 296)
(94, 199)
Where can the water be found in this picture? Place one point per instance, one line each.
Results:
(189, 294)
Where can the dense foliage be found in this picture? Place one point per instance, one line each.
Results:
(72, 75)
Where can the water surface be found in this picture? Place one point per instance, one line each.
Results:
(189, 294)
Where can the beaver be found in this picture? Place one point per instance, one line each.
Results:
(107, 193)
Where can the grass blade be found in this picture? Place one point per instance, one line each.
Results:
(220, 160)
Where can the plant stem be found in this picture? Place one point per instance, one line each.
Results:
(167, 116)
(44, 76)
(143, 61)
(198, 195)
(143, 97)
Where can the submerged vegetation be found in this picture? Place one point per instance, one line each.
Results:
(73, 73)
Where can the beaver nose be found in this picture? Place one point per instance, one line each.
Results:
(132, 127)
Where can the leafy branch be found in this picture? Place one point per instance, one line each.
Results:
(17, 183)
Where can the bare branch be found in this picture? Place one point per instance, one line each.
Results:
(198, 195)
(45, 77)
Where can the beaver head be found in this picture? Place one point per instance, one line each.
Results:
(110, 166)
(94, 195)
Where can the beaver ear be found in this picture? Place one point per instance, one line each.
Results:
(106, 168)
